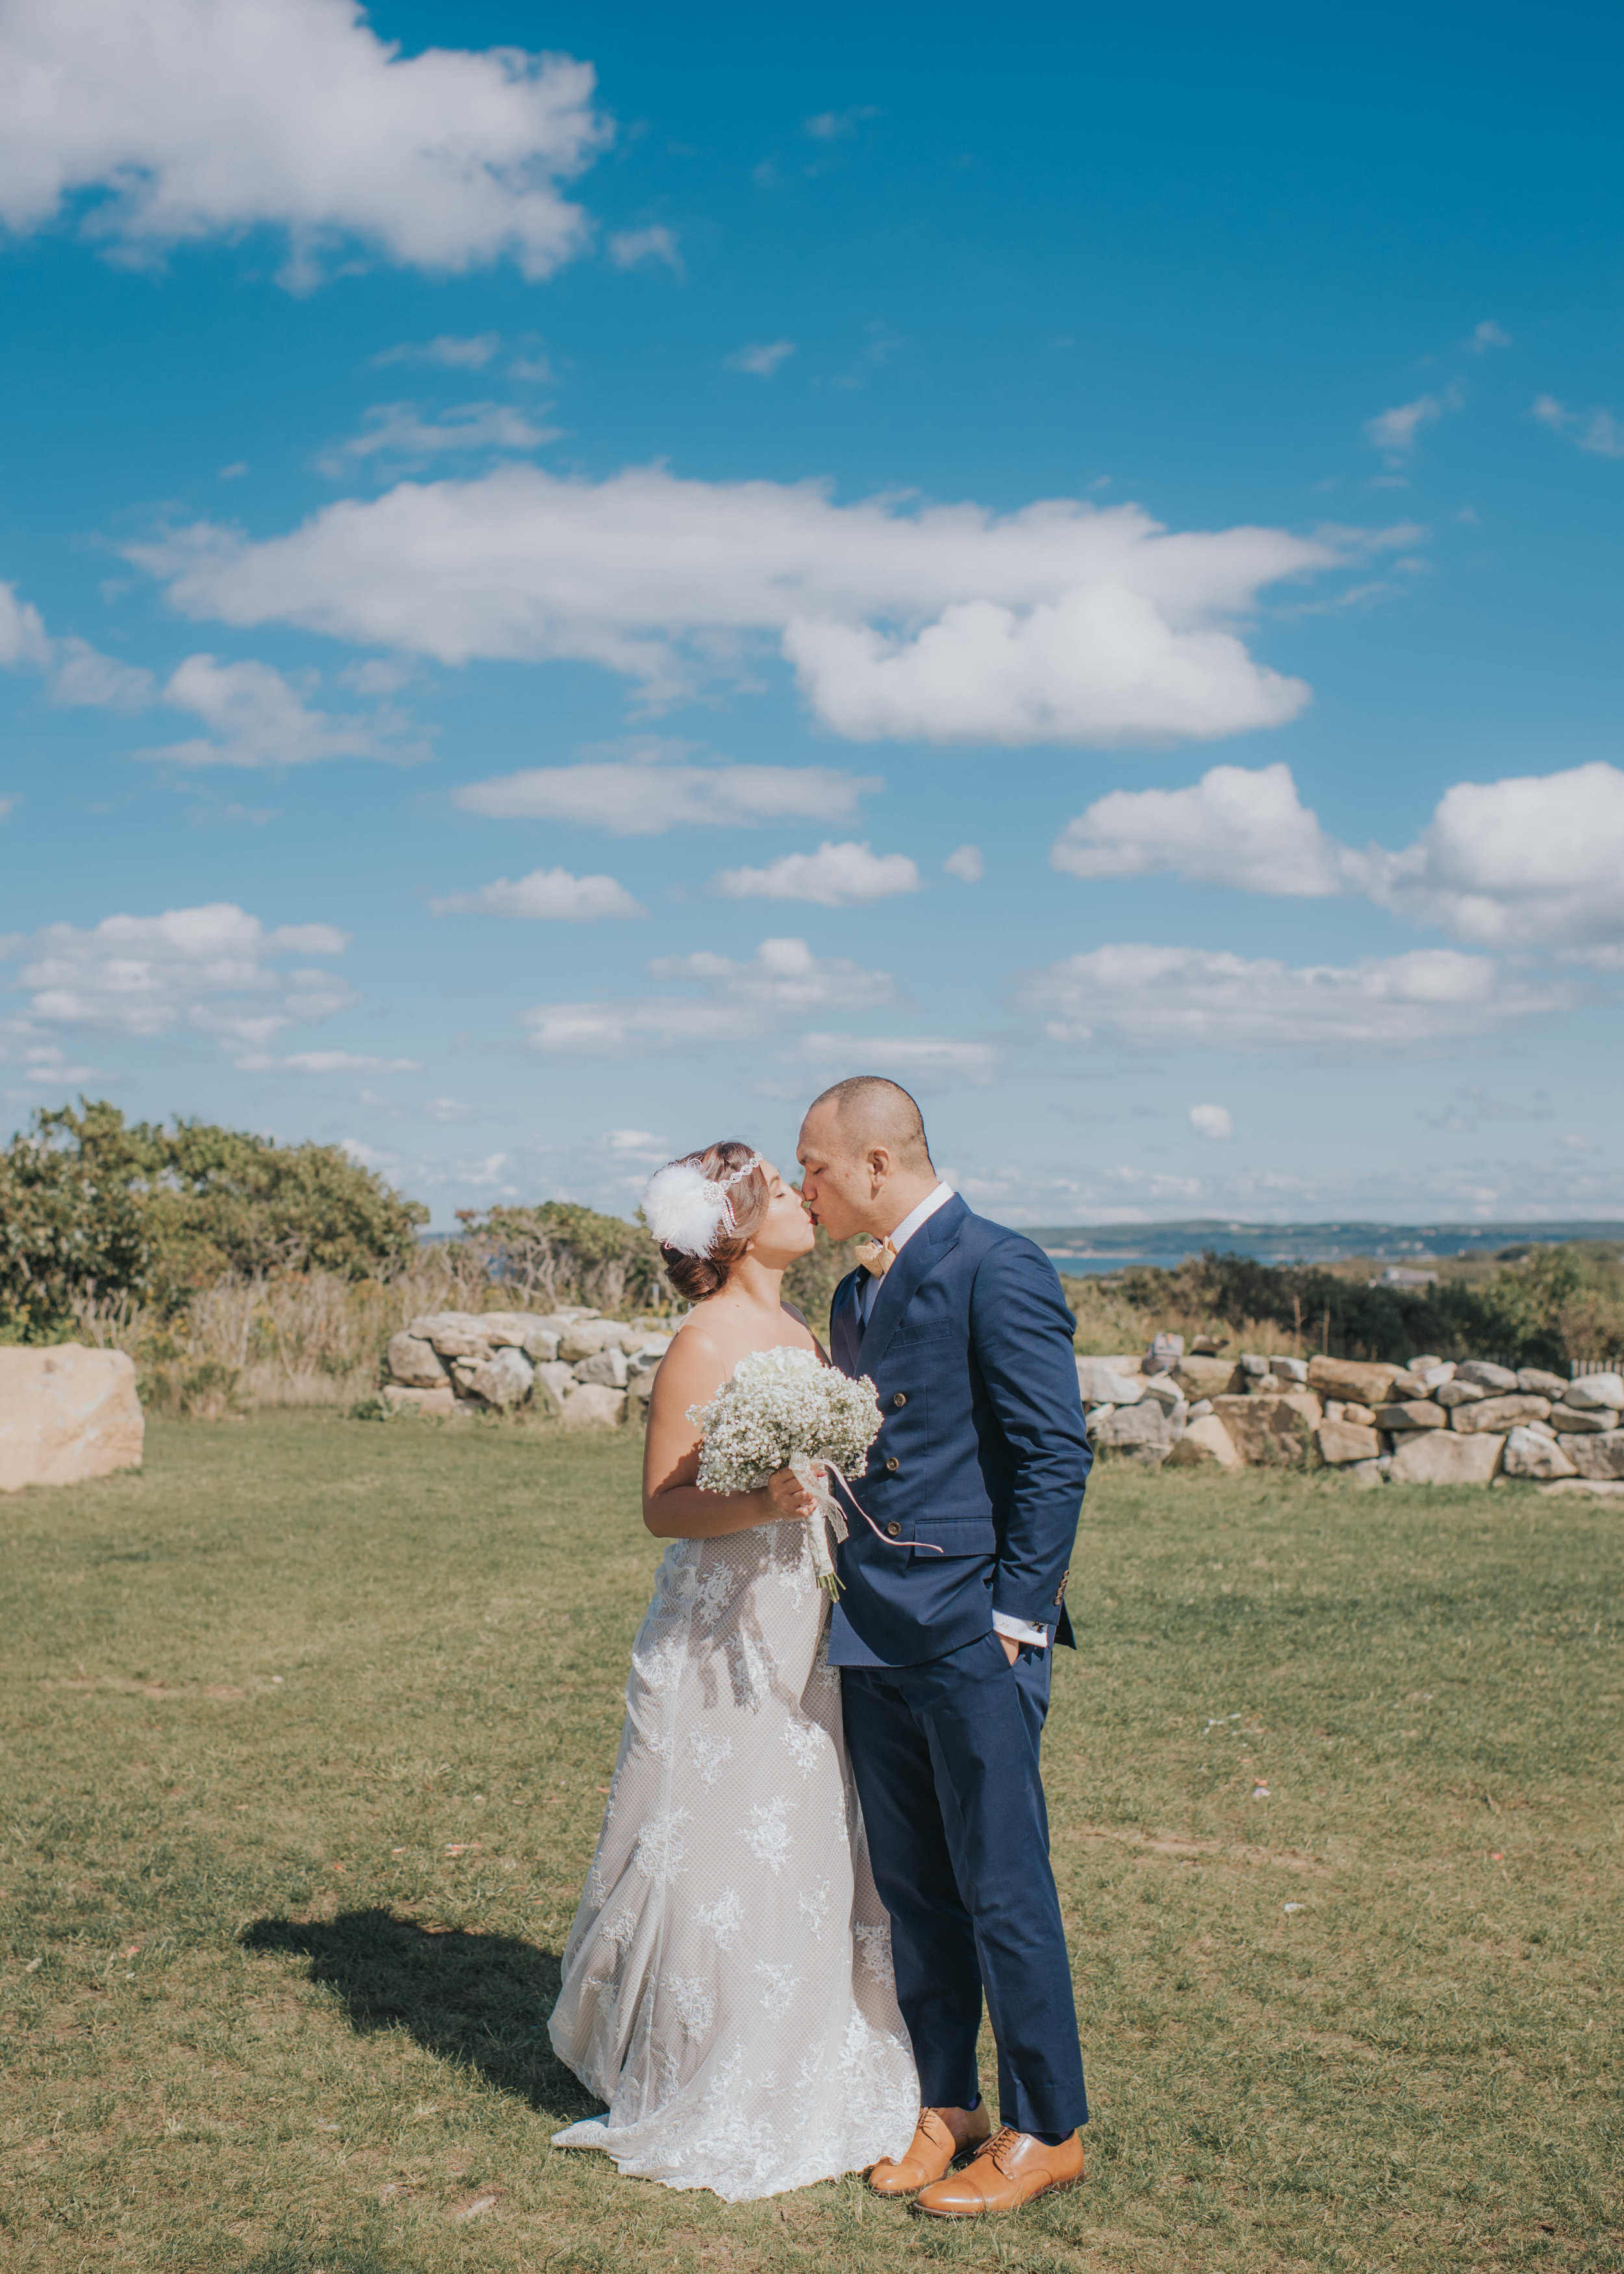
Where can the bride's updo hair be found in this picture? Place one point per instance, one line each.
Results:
(696, 1276)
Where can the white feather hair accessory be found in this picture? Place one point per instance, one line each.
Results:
(686, 1209)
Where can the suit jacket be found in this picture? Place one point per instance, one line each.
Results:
(981, 1453)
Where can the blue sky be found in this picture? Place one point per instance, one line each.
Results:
(554, 606)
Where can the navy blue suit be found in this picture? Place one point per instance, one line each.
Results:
(973, 1486)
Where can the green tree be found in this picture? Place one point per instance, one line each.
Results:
(72, 1219)
(559, 1252)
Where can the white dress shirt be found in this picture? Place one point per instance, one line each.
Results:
(1016, 1630)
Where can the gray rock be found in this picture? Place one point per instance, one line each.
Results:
(1540, 1458)
(1364, 1416)
(1501, 1413)
(415, 1363)
(1596, 1487)
(502, 1380)
(1458, 1393)
(1250, 1363)
(593, 1405)
(1486, 1374)
(1589, 1391)
(1164, 1389)
(524, 1331)
(1444, 1457)
(1272, 1431)
(1142, 1433)
(1601, 1458)
(588, 1336)
(1289, 1369)
(553, 1384)
(1576, 1418)
(1205, 1443)
(440, 1404)
(455, 1333)
(1542, 1383)
(644, 1362)
(1425, 1365)
(1344, 1441)
(606, 1366)
(1366, 1474)
(1412, 1414)
(1199, 1412)
(1408, 1384)
(1101, 1384)
(1351, 1378)
(1434, 1371)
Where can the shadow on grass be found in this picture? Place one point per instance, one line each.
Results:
(481, 2000)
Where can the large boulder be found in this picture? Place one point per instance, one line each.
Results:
(1542, 1384)
(1600, 1458)
(553, 1382)
(1527, 1455)
(593, 1405)
(1205, 1443)
(1583, 1420)
(455, 1333)
(1444, 1457)
(1456, 1392)
(1347, 1377)
(1346, 1440)
(537, 1337)
(501, 1380)
(1485, 1374)
(588, 1336)
(415, 1363)
(1144, 1433)
(1203, 1377)
(1589, 1488)
(1592, 1391)
(441, 1404)
(67, 1413)
(605, 1367)
(1498, 1415)
(1368, 1475)
(1101, 1384)
(1412, 1414)
(1271, 1432)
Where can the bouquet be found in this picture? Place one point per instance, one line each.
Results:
(784, 1410)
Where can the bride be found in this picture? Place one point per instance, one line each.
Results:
(727, 1983)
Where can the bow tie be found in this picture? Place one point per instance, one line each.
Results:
(876, 1256)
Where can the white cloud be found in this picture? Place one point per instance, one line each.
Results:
(1395, 431)
(545, 892)
(928, 1061)
(323, 1062)
(762, 359)
(836, 125)
(24, 641)
(1196, 999)
(210, 968)
(645, 800)
(1533, 861)
(1603, 433)
(80, 674)
(1235, 826)
(256, 718)
(199, 118)
(1063, 621)
(1213, 1122)
(966, 864)
(741, 1002)
(400, 431)
(835, 876)
(453, 353)
(1486, 335)
(645, 248)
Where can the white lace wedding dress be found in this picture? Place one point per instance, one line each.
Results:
(727, 1983)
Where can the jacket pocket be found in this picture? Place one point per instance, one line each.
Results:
(956, 1535)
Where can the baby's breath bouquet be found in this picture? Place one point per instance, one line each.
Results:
(784, 1410)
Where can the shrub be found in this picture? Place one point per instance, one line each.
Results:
(560, 1253)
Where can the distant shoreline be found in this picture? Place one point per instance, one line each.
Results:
(1089, 1249)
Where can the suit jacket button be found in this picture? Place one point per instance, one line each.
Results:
(893, 1529)
(893, 1464)
(901, 1398)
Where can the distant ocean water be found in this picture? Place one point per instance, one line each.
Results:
(1095, 1249)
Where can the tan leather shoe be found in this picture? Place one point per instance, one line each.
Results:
(1011, 2170)
(940, 2136)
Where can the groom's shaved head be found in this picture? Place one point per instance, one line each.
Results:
(868, 1110)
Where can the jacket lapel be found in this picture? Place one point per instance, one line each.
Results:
(843, 1328)
(929, 1244)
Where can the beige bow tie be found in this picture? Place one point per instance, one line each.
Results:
(876, 1256)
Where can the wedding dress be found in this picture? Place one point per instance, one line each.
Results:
(727, 1983)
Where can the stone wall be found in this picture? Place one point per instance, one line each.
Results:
(574, 1366)
(1432, 1422)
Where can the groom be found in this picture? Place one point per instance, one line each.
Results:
(946, 1655)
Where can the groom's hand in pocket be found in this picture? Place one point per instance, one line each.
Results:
(1012, 1648)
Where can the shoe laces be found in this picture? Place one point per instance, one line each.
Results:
(933, 2127)
(1003, 2140)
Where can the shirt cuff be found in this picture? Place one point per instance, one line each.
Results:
(1020, 1630)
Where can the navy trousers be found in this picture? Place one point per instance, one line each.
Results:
(945, 1756)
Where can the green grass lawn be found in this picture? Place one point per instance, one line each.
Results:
(308, 1726)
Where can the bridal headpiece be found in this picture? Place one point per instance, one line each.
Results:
(688, 1210)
